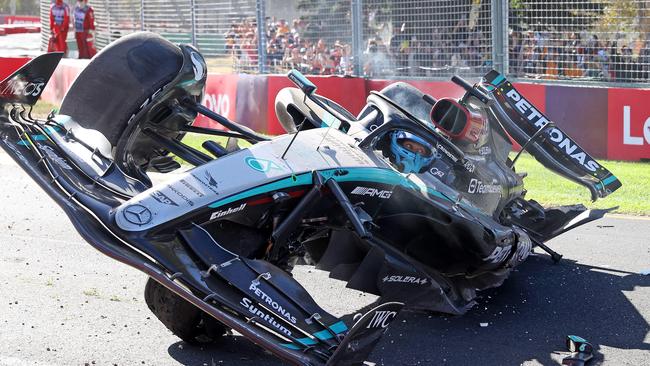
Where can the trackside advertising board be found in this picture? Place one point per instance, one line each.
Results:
(628, 128)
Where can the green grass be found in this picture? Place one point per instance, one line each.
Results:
(550, 189)
(42, 109)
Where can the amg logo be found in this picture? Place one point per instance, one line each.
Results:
(371, 192)
(560, 141)
(476, 186)
(231, 210)
(381, 319)
(248, 304)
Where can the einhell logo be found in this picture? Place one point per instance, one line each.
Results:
(630, 138)
(221, 213)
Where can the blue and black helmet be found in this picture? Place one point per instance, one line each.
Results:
(409, 161)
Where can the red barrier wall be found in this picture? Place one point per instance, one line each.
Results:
(19, 19)
(220, 97)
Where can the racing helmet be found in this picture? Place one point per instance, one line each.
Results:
(411, 153)
(458, 121)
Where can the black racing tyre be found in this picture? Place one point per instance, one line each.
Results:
(118, 80)
(182, 318)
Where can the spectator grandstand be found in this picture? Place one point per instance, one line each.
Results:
(601, 41)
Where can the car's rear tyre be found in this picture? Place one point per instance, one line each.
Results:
(118, 80)
(182, 318)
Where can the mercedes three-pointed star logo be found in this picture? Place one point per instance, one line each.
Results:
(137, 214)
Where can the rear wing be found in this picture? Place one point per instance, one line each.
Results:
(537, 134)
(26, 84)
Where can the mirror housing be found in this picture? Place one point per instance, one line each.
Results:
(301, 82)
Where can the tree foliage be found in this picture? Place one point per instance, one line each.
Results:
(23, 7)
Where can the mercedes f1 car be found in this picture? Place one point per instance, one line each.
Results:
(415, 200)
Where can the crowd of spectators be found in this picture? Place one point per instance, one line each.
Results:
(439, 52)
(405, 53)
(286, 49)
(564, 55)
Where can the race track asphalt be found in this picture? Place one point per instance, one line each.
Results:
(64, 303)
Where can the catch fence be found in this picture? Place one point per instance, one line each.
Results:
(594, 41)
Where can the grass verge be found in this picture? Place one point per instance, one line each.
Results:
(550, 189)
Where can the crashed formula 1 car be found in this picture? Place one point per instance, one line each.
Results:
(414, 200)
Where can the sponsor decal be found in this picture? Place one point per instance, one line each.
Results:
(381, 319)
(437, 172)
(191, 188)
(262, 165)
(52, 155)
(562, 142)
(221, 213)
(524, 247)
(448, 153)
(197, 66)
(218, 103)
(266, 299)
(137, 214)
(628, 124)
(498, 255)
(485, 150)
(163, 198)
(24, 88)
(145, 103)
(372, 192)
(181, 195)
(628, 138)
(260, 313)
(208, 182)
(476, 186)
(469, 166)
(406, 279)
(13, 148)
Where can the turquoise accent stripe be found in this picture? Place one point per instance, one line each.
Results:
(290, 346)
(576, 338)
(606, 181)
(34, 137)
(498, 80)
(380, 175)
(609, 180)
(307, 341)
(296, 180)
(337, 328)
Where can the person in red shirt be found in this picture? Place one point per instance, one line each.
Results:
(84, 26)
(59, 25)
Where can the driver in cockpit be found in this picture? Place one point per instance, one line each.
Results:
(409, 152)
